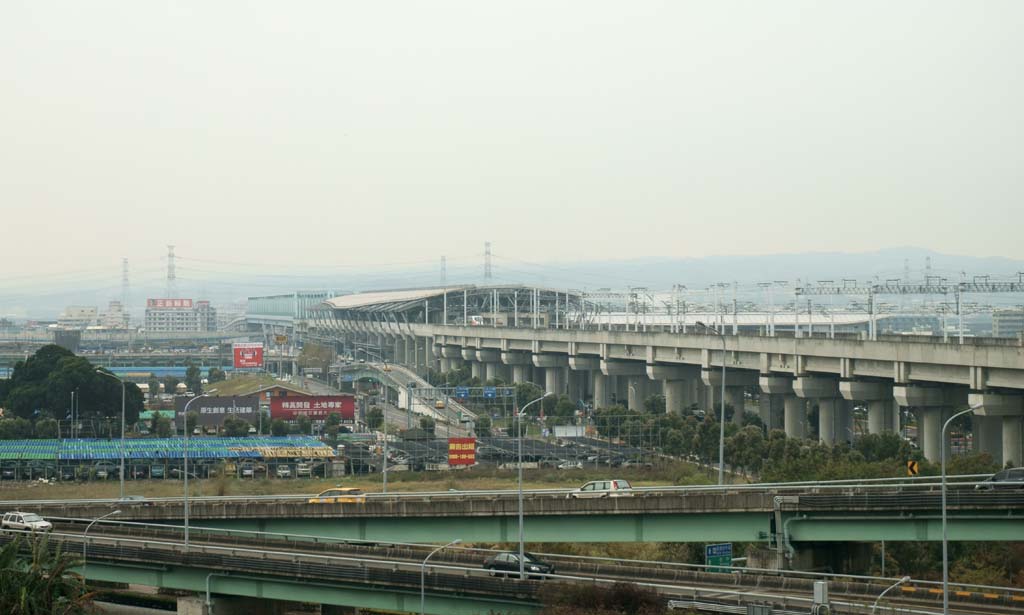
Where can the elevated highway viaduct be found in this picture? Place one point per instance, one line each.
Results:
(795, 376)
(792, 524)
(228, 571)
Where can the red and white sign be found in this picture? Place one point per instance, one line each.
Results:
(315, 407)
(185, 304)
(248, 354)
(461, 451)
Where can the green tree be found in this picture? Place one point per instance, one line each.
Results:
(303, 425)
(154, 386)
(235, 427)
(15, 429)
(279, 428)
(46, 429)
(427, 424)
(483, 426)
(191, 420)
(171, 385)
(374, 417)
(216, 374)
(41, 582)
(194, 379)
(161, 426)
(655, 404)
(527, 392)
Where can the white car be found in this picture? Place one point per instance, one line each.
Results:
(617, 488)
(30, 522)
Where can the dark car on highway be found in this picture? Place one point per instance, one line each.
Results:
(507, 563)
(1012, 478)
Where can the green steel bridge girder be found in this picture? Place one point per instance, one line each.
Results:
(826, 527)
(299, 590)
(693, 527)
(683, 527)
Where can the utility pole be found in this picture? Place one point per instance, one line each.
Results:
(125, 314)
(444, 271)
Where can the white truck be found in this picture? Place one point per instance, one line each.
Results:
(21, 521)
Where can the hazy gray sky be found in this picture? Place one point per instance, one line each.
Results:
(376, 132)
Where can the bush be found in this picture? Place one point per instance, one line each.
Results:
(619, 599)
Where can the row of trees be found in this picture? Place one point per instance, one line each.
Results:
(40, 388)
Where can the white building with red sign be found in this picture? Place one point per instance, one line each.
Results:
(173, 315)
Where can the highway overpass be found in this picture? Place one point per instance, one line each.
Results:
(793, 521)
(221, 569)
(794, 375)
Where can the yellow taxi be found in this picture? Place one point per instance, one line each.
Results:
(386, 368)
(439, 404)
(340, 495)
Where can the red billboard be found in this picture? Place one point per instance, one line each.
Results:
(461, 451)
(248, 355)
(316, 407)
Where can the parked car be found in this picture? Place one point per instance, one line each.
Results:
(340, 495)
(106, 470)
(303, 469)
(247, 471)
(8, 472)
(1012, 478)
(25, 522)
(570, 465)
(156, 471)
(508, 563)
(603, 489)
(283, 471)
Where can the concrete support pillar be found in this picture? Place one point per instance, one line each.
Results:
(621, 390)
(1013, 448)
(988, 436)
(929, 427)
(844, 421)
(879, 416)
(637, 392)
(446, 365)
(477, 370)
(827, 421)
(519, 374)
(490, 371)
(675, 396)
(795, 410)
(1008, 406)
(553, 380)
(602, 399)
(735, 398)
(770, 410)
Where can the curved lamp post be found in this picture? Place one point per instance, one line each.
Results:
(887, 590)
(423, 574)
(519, 437)
(721, 421)
(184, 420)
(945, 539)
(106, 373)
(85, 538)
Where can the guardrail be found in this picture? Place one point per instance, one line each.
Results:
(808, 487)
(304, 540)
(390, 572)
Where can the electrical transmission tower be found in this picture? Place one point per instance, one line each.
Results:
(172, 281)
(487, 261)
(125, 314)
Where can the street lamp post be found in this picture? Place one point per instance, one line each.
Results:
(184, 420)
(519, 437)
(423, 574)
(85, 538)
(945, 540)
(721, 422)
(99, 371)
(887, 590)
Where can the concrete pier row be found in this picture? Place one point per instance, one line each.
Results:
(795, 391)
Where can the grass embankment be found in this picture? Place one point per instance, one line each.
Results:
(476, 479)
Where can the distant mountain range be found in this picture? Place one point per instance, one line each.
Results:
(653, 273)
